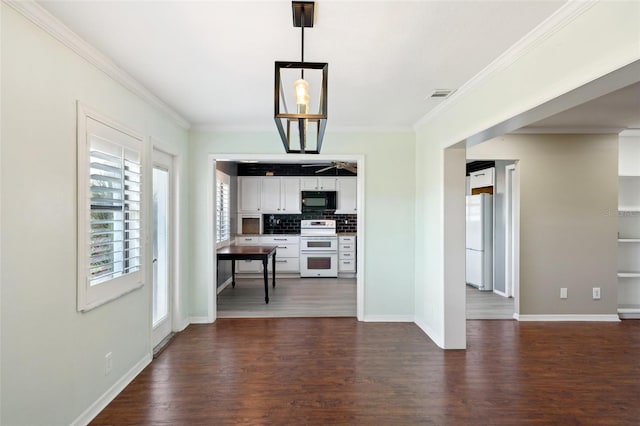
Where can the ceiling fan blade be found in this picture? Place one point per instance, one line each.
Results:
(353, 169)
(325, 169)
(316, 165)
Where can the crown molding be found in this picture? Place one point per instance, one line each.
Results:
(272, 129)
(554, 23)
(630, 132)
(569, 130)
(49, 23)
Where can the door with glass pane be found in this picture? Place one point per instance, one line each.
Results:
(162, 256)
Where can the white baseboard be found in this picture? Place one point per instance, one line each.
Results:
(224, 285)
(99, 405)
(200, 320)
(568, 317)
(435, 337)
(500, 293)
(389, 318)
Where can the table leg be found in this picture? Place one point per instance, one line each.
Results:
(265, 261)
(273, 259)
(233, 273)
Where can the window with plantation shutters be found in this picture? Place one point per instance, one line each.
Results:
(110, 210)
(223, 214)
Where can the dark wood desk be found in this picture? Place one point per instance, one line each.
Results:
(234, 253)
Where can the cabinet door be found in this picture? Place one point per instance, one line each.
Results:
(290, 195)
(250, 193)
(347, 195)
(327, 183)
(481, 178)
(309, 183)
(271, 195)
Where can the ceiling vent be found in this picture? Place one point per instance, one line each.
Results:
(441, 94)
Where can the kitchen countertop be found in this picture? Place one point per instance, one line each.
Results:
(347, 234)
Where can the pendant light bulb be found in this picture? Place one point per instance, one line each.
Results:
(301, 88)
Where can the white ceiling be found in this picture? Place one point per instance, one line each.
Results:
(213, 61)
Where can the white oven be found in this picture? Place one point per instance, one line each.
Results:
(318, 248)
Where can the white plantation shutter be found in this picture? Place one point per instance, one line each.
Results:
(223, 214)
(114, 243)
(110, 210)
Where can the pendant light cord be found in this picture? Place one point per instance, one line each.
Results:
(302, 46)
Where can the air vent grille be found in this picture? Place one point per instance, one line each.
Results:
(441, 93)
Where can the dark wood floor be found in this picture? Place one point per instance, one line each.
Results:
(320, 371)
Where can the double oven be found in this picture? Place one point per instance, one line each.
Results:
(318, 248)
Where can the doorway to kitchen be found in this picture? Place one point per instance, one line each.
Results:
(491, 246)
(294, 294)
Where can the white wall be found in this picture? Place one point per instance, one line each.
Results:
(568, 221)
(567, 57)
(389, 178)
(52, 356)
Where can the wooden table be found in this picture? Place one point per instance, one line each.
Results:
(262, 253)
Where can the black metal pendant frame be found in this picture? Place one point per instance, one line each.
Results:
(299, 120)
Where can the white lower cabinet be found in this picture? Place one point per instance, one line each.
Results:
(249, 266)
(346, 255)
(287, 254)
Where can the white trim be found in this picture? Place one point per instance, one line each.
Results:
(200, 320)
(500, 293)
(226, 284)
(435, 337)
(568, 130)
(52, 25)
(569, 317)
(559, 19)
(104, 400)
(630, 132)
(389, 318)
(360, 243)
(272, 129)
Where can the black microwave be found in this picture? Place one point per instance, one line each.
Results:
(313, 201)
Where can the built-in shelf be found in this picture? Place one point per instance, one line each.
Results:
(629, 227)
(629, 274)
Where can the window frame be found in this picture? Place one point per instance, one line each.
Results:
(223, 178)
(92, 124)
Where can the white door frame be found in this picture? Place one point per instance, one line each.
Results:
(512, 235)
(211, 215)
(174, 314)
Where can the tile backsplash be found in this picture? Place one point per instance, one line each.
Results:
(290, 223)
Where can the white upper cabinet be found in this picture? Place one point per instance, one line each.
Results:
(280, 195)
(290, 195)
(312, 183)
(481, 178)
(347, 195)
(249, 193)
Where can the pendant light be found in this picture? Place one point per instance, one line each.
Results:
(301, 131)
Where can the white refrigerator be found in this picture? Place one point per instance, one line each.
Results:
(480, 241)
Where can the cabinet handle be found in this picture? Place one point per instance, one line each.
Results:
(282, 246)
(281, 261)
(346, 262)
(279, 239)
(347, 247)
(479, 174)
(248, 239)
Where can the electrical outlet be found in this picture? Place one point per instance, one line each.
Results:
(108, 364)
(563, 293)
(596, 293)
